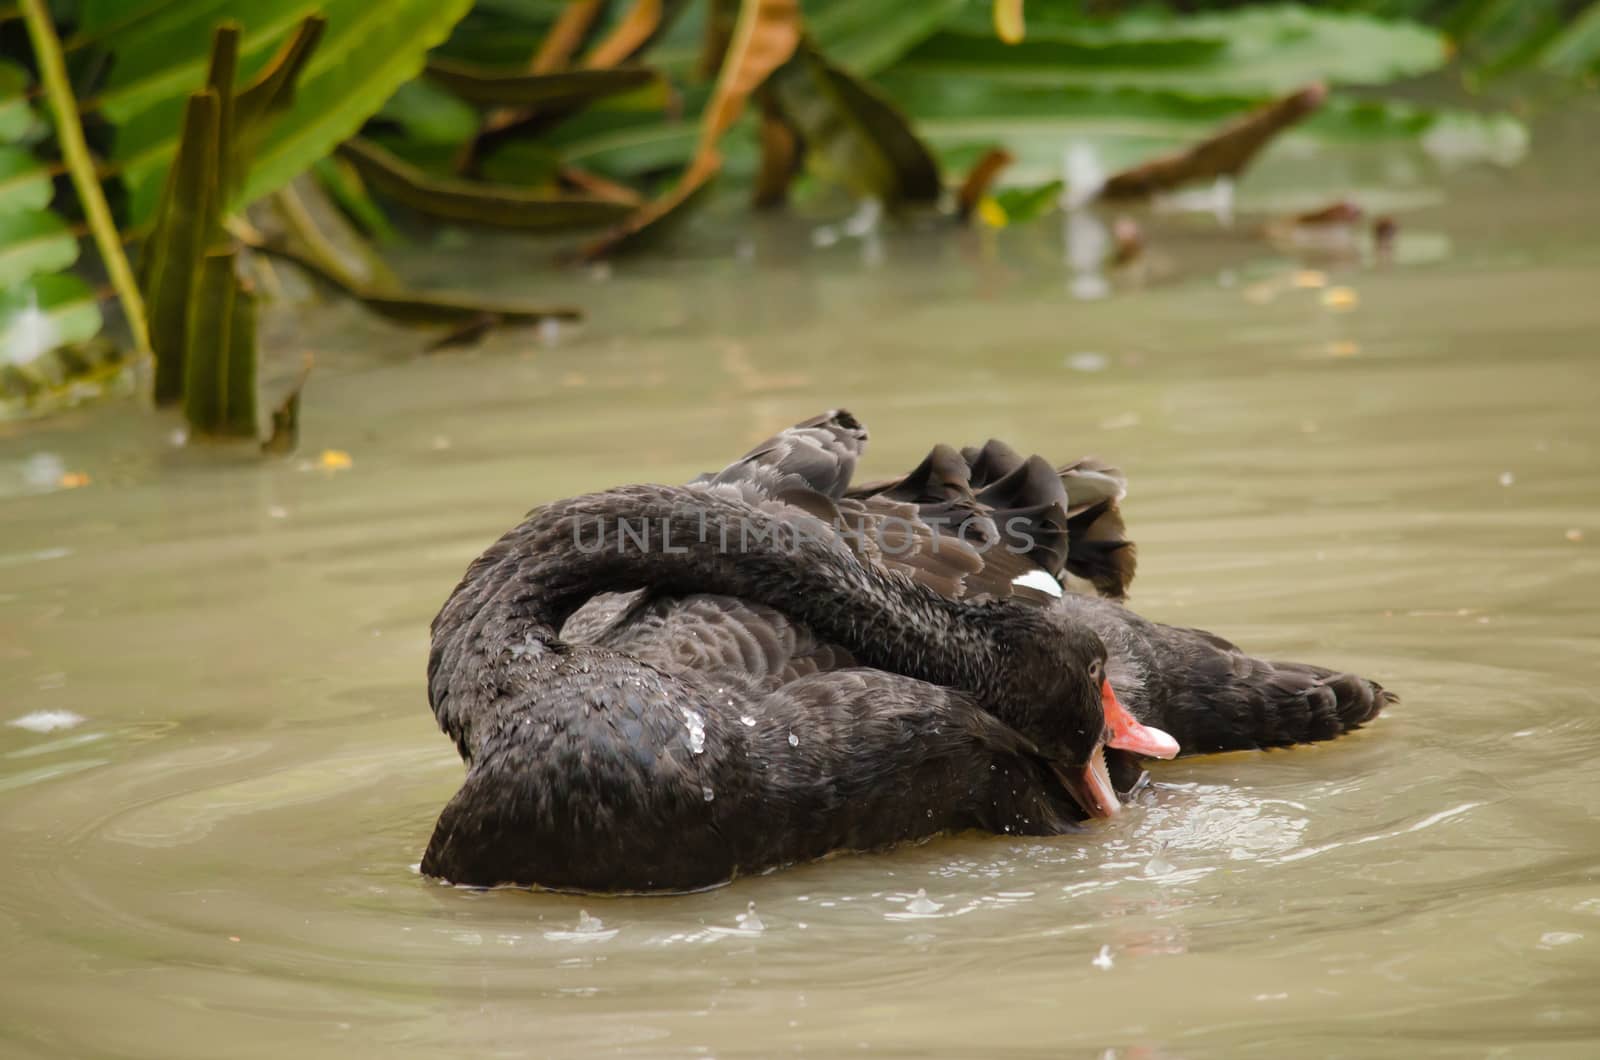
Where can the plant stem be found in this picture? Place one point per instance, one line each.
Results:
(69, 133)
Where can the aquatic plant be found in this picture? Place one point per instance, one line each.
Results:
(613, 119)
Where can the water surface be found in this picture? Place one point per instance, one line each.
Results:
(213, 853)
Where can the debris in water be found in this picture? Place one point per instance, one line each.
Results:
(1087, 362)
(1384, 231)
(1574, 534)
(696, 724)
(1127, 241)
(1342, 212)
(794, 741)
(589, 929)
(549, 331)
(329, 460)
(1102, 960)
(1309, 279)
(1507, 478)
(748, 921)
(864, 220)
(48, 720)
(1157, 866)
(1341, 298)
(1343, 348)
(277, 511)
(921, 904)
(71, 480)
(746, 719)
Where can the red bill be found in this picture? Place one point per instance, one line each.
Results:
(1128, 735)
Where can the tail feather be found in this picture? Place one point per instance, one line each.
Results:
(1212, 697)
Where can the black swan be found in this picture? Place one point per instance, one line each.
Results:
(984, 522)
(592, 770)
(899, 668)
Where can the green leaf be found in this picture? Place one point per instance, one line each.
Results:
(43, 314)
(853, 134)
(865, 36)
(428, 114)
(1022, 205)
(960, 118)
(24, 181)
(473, 203)
(1577, 50)
(219, 386)
(16, 117)
(171, 258)
(568, 88)
(32, 242)
(367, 52)
(1254, 51)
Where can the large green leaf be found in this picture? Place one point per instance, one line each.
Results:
(159, 50)
(960, 118)
(1254, 51)
(865, 36)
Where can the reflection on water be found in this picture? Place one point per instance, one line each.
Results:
(218, 770)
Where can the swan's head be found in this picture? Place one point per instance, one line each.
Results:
(1059, 696)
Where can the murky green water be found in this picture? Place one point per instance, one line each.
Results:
(217, 860)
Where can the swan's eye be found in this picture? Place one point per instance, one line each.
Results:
(1094, 670)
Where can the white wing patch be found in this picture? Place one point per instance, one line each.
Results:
(1040, 580)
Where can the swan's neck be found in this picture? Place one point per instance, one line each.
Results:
(678, 541)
